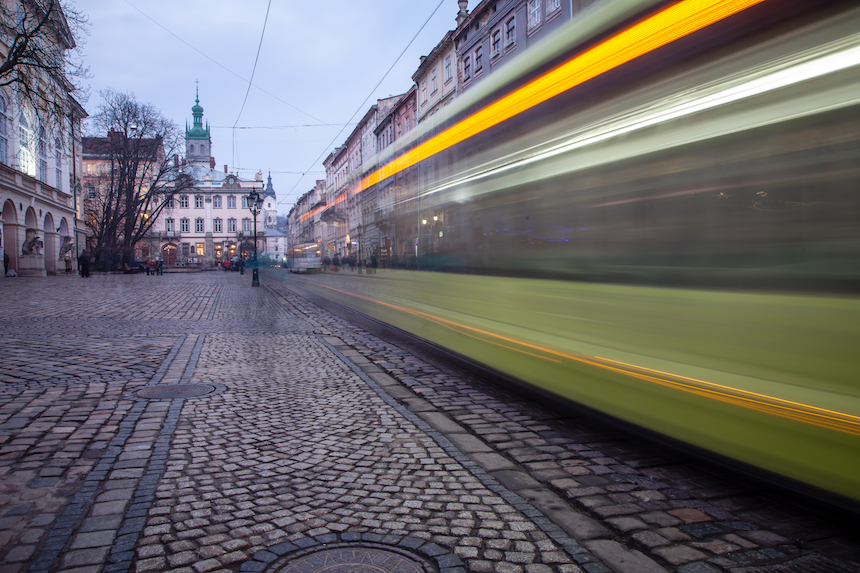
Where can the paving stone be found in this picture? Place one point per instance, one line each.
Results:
(264, 464)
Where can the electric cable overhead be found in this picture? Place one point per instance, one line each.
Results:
(250, 81)
(363, 103)
(220, 65)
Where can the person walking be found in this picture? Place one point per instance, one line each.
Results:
(84, 264)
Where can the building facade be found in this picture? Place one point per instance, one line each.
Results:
(40, 231)
(497, 30)
(212, 222)
(436, 78)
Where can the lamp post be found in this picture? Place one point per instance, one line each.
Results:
(255, 205)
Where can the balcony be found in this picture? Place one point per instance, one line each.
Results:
(166, 234)
(332, 215)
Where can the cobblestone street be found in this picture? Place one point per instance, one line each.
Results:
(189, 422)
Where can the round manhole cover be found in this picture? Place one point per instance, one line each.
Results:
(354, 559)
(167, 391)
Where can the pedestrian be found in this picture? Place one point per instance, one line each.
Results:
(160, 266)
(84, 264)
(68, 261)
(5, 263)
(241, 264)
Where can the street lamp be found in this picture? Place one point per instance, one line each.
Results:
(255, 205)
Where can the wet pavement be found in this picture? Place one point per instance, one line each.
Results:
(190, 422)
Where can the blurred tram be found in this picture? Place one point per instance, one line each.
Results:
(304, 258)
(656, 214)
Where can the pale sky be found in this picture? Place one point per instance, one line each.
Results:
(318, 62)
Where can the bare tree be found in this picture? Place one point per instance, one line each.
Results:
(45, 41)
(132, 148)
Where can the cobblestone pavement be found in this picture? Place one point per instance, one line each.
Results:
(309, 433)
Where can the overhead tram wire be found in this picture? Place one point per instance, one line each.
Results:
(360, 107)
(250, 81)
(219, 64)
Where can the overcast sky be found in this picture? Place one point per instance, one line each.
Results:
(317, 64)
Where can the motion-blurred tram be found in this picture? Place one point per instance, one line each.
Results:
(656, 214)
(304, 258)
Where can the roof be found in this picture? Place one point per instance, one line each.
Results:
(102, 147)
(426, 61)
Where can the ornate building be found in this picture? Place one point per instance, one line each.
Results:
(211, 223)
(40, 230)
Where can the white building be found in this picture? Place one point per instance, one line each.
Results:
(40, 163)
(211, 223)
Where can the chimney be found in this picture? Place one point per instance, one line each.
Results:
(225, 169)
(463, 13)
(211, 163)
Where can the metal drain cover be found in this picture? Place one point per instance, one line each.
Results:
(168, 391)
(354, 559)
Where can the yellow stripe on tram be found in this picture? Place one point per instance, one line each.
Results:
(813, 415)
(664, 27)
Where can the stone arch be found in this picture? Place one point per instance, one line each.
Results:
(246, 250)
(169, 254)
(10, 239)
(50, 237)
(30, 219)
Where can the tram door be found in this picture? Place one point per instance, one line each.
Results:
(169, 254)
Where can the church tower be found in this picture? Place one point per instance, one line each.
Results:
(198, 142)
(270, 206)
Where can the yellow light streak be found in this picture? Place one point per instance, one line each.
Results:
(797, 411)
(664, 27)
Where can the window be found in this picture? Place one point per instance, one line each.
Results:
(169, 204)
(433, 81)
(467, 68)
(534, 13)
(511, 32)
(58, 158)
(186, 250)
(497, 42)
(552, 5)
(231, 225)
(191, 149)
(407, 123)
(4, 142)
(231, 202)
(479, 59)
(183, 225)
(183, 201)
(170, 225)
(198, 201)
(43, 156)
(447, 68)
(216, 225)
(245, 202)
(216, 201)
(246, 225)
(27, 141)
(199, 249)
(198, 225)
(424, 92)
